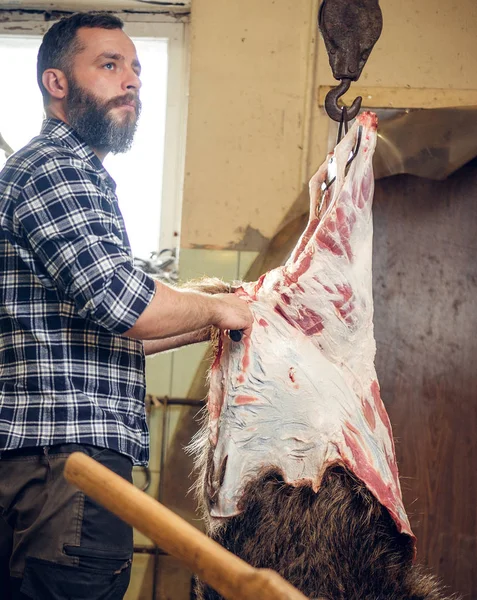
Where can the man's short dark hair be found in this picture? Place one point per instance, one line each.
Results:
(60, 43)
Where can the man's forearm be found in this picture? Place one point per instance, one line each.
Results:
(173, 312)
(176, 341)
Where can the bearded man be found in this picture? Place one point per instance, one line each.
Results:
(76, 319)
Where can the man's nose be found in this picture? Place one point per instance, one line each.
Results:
(132, 80)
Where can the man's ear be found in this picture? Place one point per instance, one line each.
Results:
(55, 83)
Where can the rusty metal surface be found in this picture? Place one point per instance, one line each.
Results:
(425, 284)
(350, 28)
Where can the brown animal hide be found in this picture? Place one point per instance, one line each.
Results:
(338, 543)
(297, 468)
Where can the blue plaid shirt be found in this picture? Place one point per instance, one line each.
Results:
(68, 290)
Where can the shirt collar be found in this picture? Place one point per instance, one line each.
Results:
(66, 136)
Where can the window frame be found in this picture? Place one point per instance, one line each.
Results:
(176, 31)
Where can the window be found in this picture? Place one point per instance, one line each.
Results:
(149, 176)
(138, 173)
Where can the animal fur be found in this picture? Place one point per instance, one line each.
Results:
(338, 543)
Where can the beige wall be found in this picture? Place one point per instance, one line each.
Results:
(255, 132)
(250, 67)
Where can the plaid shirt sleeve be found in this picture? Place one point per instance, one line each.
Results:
(72, 225)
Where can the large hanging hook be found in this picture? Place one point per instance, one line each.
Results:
(350, 28)
(335, 111)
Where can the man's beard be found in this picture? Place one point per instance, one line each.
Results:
(93, 122)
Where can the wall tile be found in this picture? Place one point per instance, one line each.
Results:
(211, 263)
(140, 586)
(184, 366)
(156, 424)
(159, 374)
(245, 261)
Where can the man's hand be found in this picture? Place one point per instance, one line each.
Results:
(232, 312)
(173, 312)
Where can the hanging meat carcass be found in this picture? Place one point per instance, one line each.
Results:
(298, 469)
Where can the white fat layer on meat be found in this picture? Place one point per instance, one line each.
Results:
(301, 393)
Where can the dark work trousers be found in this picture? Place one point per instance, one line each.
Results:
(56, 543)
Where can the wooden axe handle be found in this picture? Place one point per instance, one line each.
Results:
(229, 575)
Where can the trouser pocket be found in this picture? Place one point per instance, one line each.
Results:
(46, 580)
(101, 559)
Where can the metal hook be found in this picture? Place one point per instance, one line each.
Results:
(331, 102)
(326, 185)
(343, 124)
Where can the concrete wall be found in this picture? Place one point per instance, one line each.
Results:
(255, 131)
(251, 85)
